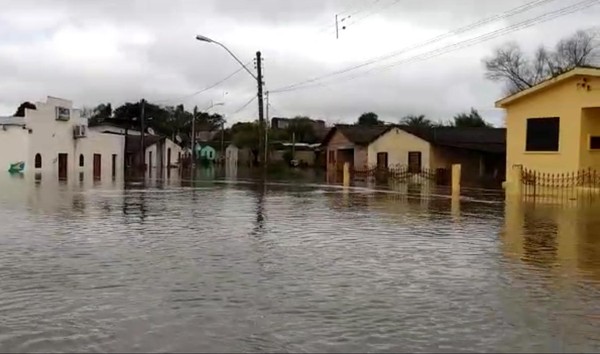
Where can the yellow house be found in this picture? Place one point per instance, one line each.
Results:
(480, 151)
(554, 127)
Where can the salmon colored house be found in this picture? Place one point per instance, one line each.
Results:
(554, 127)
(480, 151)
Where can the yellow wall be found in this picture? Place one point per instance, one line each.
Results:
(590, 126)
(397, 143)
(565, 100)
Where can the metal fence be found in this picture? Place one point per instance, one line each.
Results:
(558, 186)
(403, 173)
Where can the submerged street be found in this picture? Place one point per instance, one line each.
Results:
(233, 266)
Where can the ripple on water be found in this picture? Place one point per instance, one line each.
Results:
(240, 267)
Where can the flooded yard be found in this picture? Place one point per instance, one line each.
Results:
(231, 266)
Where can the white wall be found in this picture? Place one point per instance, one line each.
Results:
(51, 137)
(397, 143)
(13, 147)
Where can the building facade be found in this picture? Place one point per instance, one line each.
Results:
(554, 127)
(54, 141)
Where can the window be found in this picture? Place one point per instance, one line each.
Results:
(81, 160)
(414, 161)
(331, 156)
(542, 134)
(38, 161)
(594, 142)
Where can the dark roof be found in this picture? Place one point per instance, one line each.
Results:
(480, 139)
(135, 141)
(358, 134)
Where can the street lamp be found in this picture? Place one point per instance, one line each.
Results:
(259, 79)
(208, 40)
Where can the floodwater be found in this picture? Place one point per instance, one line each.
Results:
(234, 266)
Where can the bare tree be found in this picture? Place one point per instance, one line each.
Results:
(511, 65)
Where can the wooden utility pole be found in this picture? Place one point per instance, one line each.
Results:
(261, 117)
(337, 30)
(142, 139)
(267, 125)
(193, 138)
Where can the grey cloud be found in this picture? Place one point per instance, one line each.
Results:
(171, 64)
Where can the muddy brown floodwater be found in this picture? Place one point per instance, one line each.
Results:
(232, 266)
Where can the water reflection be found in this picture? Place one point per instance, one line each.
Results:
(551, 236)
(265, 266)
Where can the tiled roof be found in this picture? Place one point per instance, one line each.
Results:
(358, 134)
(480, 139)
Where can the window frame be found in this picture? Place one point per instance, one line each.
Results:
(536, 148)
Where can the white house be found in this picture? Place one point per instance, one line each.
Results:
(53, 141)
(161, 154)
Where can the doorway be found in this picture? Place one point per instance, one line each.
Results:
(382, 161)
(97, 166)
(414, 162)
(63, 165)
(114, 166)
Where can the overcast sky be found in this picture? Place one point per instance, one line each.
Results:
(93, 51)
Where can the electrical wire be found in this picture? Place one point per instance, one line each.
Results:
(460, 30)
(460, 45)
(375, 11)
(244, 106)
(347, 15)
(182, 98)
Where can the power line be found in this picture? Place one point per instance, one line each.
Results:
(460, 30)
(373, 13)
(244, 106)
(206, 88)
(346, 15)
(467, 43)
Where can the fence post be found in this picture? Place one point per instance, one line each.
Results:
(346, 174)
(456, 170)
(515, 187)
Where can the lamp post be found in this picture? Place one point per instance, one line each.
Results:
(259, 80)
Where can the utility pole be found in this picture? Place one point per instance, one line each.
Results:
(223, 139)
(337, 30)
(193, 139)
(142, 142)
(267, 129)
(261, 117)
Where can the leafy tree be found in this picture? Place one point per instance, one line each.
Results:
(510, 65)
(245, 135)
(369, 118)
(469, 120)
(100, 113)
(21, 109)
(419, 121)
(303, 129)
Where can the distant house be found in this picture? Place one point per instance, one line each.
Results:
(235, 156)
(161, 153)
(349, 143)
(207, 153)
(554, 127)
(305, 154)
(480, 151)
(284, 123)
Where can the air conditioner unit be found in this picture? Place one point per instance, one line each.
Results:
(79, 131)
